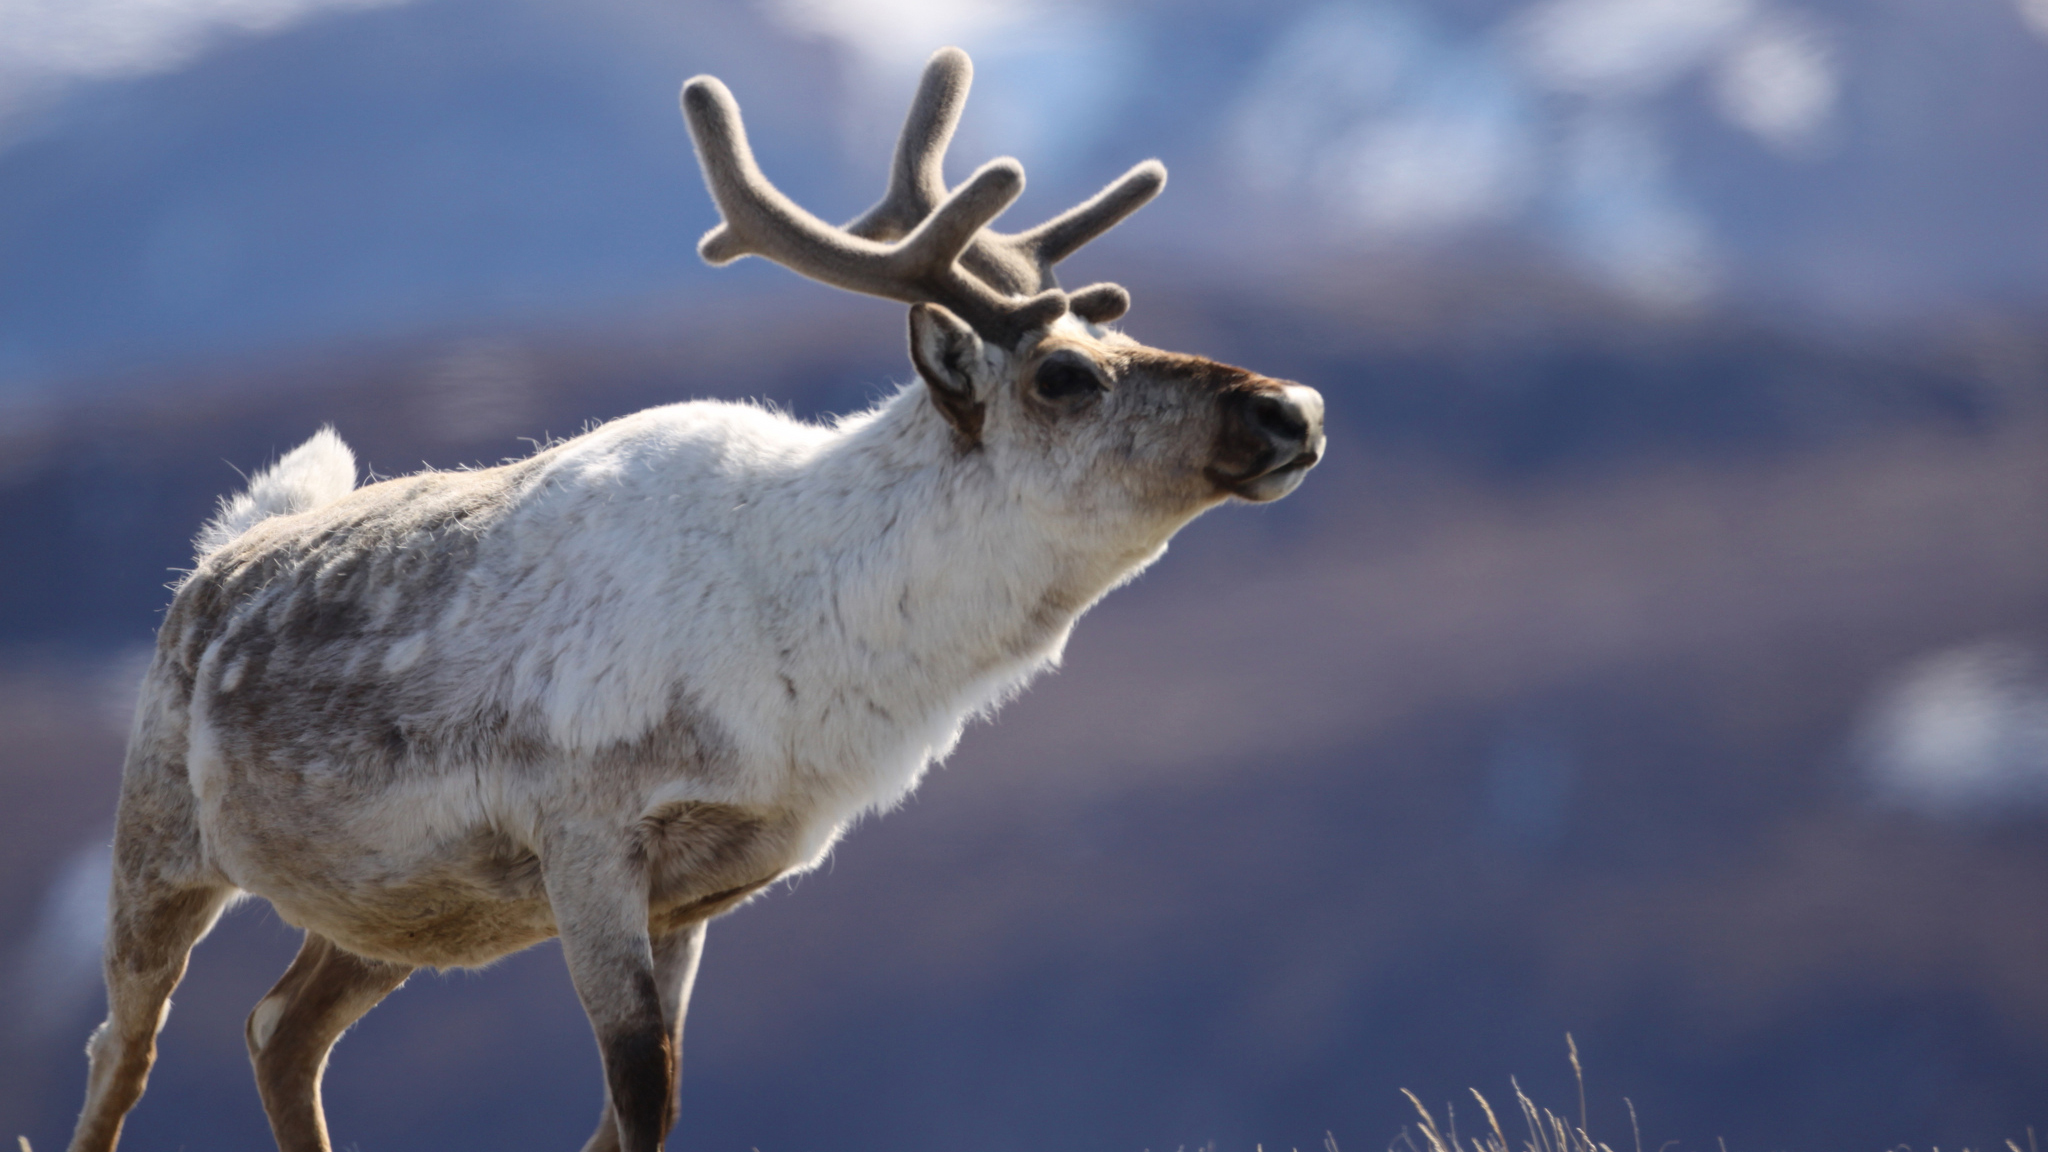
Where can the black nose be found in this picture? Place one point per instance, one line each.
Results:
(1290, 420)
(1271, 431)
(1279, 417)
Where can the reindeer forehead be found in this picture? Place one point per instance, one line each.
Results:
(1125, 358)
(1184, 370)
(1105, 346)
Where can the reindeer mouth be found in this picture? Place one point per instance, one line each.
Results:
(1273, 483)
(1271, 436)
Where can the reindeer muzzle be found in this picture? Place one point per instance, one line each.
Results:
(1272, 435)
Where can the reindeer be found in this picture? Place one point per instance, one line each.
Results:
(611, 691)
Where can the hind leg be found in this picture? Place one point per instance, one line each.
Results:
(150, 932)
(324, 991)
(164, 898)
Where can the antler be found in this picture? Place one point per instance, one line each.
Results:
(920, 243)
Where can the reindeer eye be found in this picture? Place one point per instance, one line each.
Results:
(1061, 378)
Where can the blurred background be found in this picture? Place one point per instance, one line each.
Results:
(1661, 655)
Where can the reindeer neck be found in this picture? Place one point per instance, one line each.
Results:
(940, 561)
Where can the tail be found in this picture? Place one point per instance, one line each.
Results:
(320, 471)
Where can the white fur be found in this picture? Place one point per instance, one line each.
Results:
(610, 692)
(263, 1021)
(320, 471)
(836, 600)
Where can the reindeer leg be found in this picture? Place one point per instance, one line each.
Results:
(151, 929)
(598, 887)
(323, 992)
(675, 972)
(164, 898)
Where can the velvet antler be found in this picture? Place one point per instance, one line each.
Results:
(920, 243)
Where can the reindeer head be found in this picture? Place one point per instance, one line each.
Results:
(1021, 369)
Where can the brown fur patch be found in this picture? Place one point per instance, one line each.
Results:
(292, 1028)
(640, 1063)
(296, 609)
(947, 379)
(706, 859)
(312, 729)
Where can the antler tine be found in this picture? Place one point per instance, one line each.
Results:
(917, 179)
(1023, 261)
(1099, 303)
(1059, 237)
(920, 268)
(755, 211)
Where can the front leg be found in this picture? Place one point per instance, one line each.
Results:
(598, 886)
(675, 972)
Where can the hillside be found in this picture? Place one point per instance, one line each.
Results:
(1547, 705)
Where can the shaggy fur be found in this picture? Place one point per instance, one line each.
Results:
(320, 471)
(613, 690)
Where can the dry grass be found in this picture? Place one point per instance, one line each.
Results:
(1547, 1131)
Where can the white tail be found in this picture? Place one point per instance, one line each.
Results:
(318, 472)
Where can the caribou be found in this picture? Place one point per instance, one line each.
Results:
(614, 689)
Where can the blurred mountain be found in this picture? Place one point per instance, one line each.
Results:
(1391, 784)
(1506, 378)
(399, 168)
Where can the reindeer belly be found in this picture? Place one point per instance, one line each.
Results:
(415, 874)
(422, 924)
(418, 874)
(473, 905)
(457, 901)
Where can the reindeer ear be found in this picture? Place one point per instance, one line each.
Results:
(946, 352)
